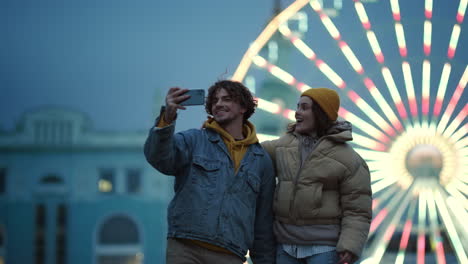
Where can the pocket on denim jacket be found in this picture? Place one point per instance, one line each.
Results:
(204, 171)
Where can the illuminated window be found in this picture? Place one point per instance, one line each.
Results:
(122, 246)
(133, 180)
(106, 182)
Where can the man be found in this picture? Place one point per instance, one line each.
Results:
(224, 180)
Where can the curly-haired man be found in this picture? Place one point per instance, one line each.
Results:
(224, 180)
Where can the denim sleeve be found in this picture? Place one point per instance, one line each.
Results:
(264, 247)
(167, 152)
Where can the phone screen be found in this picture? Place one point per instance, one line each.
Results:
(197, 97)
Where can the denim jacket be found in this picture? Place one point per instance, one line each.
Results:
(212, 202)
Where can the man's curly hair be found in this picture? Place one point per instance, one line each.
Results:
(237, 91)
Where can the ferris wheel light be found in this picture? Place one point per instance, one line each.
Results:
(427, 37)
(281, 74)
(367, 142)
(316, 5)
(363, 125)
(428, 9)
(372, 154)
(453, 101)
(326, 21)
(442, 88)
(265, 137)
(461, 132)
(331, 75)
(349, 54)
(369, 111)
(302, 47)
(426, 81)
(453, 41)
(260, 62)
(452, 232)
(268, 106)
(289, 114)
(378, 219)
(362, 15)
(388, 78)
(400, 34)
(410, 88)
(461, 11)
(395, 9)
(375, 46)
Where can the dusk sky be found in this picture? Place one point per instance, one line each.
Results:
(108, 58)
(114, 59)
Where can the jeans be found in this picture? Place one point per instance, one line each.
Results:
(282, 257)
(184, 252)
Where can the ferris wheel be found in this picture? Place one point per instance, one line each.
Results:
(401, 72)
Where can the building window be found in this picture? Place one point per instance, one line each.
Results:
(106, 182)
(119, 247)
(60, 235)
(40, 234)
(2, 180)
(133, 180)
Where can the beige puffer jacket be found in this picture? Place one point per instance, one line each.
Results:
(332, 186)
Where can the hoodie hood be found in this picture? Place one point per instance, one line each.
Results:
(340, 131)
(236, 148)
(248, 130)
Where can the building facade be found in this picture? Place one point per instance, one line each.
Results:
(69, 194)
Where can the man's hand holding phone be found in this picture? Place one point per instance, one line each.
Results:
(177, 97)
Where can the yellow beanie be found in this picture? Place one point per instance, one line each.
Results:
(328, 100)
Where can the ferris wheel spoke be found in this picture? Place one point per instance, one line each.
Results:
(450, 227)
(408, 77)
(456, 122)
(461, 186)
(372, 155)
(460, 133)
(383, 240)
(455, 192)
(461, 215)
(453, 101)
(382, 184)
(442, 88)
(406, 233)
(434, 228)
(363, 125)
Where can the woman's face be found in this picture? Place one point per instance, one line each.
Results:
(305, 118)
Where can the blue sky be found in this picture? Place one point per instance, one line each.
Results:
(108, 58)
(115, 59)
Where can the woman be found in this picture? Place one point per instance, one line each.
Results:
(323, 197)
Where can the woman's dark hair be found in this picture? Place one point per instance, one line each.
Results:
(322, 121)
(237, 91)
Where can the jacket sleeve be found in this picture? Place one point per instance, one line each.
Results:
(356, 202)
(264, 247)
(270, 147)
(167, 152)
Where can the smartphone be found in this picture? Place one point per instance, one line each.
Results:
(197, 97)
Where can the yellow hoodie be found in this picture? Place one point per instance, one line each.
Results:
(236, 148)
